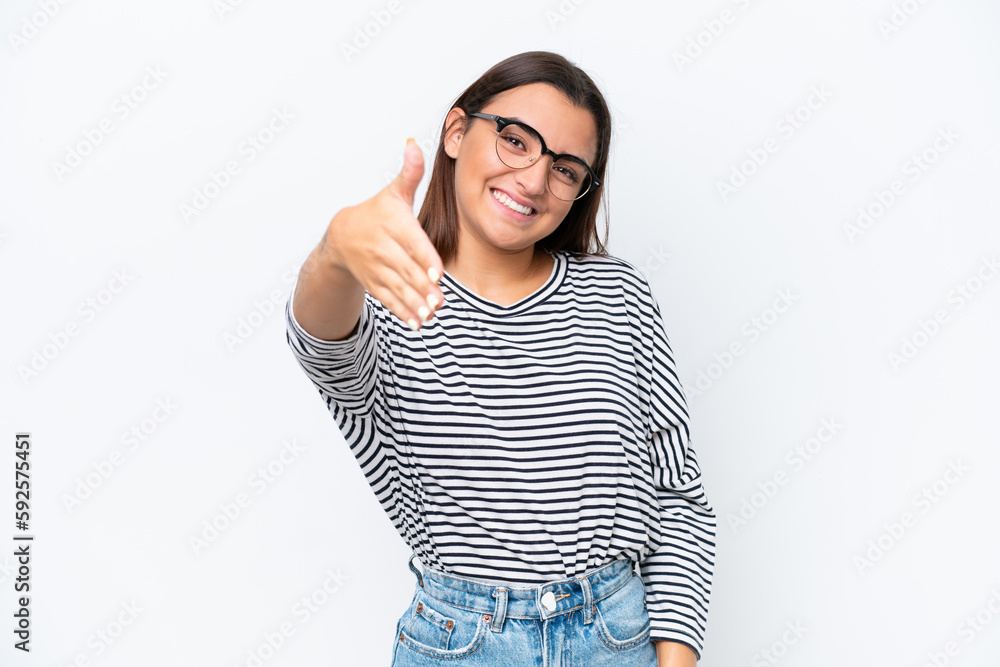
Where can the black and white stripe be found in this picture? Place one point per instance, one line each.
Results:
(523, 443)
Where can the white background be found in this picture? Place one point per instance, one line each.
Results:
(682, 128)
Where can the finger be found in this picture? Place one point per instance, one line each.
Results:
(388, 298)
(422, 267)
(421, 295)
(396, 293)
(406, 182)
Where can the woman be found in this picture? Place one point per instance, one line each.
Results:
(509, 391)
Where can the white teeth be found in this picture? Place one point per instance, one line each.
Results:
(511, 204)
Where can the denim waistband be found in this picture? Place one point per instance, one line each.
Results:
(539, 601)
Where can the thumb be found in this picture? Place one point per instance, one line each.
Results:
(412, 171)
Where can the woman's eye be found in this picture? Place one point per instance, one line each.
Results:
(567, 172)
(514, 141)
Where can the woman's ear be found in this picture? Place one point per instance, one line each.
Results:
(455, 125)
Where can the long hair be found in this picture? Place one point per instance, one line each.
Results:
(578, 231)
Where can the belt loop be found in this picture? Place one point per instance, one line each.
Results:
(420, 577)
(588, 601)
(500, 612)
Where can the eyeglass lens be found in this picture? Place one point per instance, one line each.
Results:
(518, 148)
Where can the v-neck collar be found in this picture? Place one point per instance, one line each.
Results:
(493, 308)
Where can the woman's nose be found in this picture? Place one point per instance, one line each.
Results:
(533, 178)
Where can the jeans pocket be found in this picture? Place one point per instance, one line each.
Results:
(622, 618)
(440, 630)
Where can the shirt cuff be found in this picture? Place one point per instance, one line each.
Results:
(317, 347)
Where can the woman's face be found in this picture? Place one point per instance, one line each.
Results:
(479, 173)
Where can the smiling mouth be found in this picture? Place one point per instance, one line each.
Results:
(511, 204)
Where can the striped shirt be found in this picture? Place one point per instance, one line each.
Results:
(523, 443)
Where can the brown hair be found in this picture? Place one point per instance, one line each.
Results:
(578, 231)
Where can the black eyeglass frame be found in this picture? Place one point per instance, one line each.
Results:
(504, 122)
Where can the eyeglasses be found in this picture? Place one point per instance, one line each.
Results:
(519, 146)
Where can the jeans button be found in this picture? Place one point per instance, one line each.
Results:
(549, 601)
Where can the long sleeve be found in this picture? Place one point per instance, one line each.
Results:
(343, 371)
(678, 573)
(349, 374)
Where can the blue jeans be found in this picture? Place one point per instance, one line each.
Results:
(595, 619)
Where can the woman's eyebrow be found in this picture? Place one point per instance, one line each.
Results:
(521, 120)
